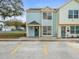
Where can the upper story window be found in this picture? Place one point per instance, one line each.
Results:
(44, 15)
(47, 15)
(70, 14)
(76, 14)
(73, 14)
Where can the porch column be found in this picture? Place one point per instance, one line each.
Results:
(42, 30)
(39, 31)
(59, 31)
(27, 31)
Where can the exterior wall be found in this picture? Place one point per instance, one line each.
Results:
(63, 13)
(47, 22)
(30, 32)
(34, 17)
(59, 31)
(41, 30)
(55, 24)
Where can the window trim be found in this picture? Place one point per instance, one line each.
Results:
(76, 14)
(69, 14)
(73, 14)
(77, 30)
(74, 28)
(47, 16)
(46, 29)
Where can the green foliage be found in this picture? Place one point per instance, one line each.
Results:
(15, 23)
(23, 25)
(10, 8)
(13, 34)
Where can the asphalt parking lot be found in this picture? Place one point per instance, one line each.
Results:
(37, 50)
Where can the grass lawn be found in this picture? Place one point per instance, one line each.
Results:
(12, 34)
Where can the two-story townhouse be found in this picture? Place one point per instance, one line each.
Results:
(69, 19)
(41, 22)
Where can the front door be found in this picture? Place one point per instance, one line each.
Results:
(36, 31)
(63, 28)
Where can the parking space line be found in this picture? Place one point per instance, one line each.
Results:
(15, 49)
(45, 49)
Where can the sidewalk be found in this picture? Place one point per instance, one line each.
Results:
(39, 39)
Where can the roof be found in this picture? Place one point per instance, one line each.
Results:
(34, 8)
(34, 23)
(40, 9)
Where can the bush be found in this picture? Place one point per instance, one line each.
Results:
(12, 35)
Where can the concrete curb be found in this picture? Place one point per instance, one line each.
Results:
(50, 39)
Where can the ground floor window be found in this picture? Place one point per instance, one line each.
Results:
(46, 30)
(77, 29)
(74, 29)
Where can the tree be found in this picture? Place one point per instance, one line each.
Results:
(24, 25)
(10, 8)
(15, 23)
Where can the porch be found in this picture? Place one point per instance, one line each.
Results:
(33, 29)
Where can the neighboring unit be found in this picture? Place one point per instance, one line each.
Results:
(69, 20)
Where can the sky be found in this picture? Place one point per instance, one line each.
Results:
(41, 4)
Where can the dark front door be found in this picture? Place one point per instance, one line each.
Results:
(63, 29)
(36, 31)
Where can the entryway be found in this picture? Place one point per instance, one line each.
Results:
(63, 29)
(36, 31)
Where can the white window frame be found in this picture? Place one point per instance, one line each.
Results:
(73, 14)
(47, 15)
(47, 31)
